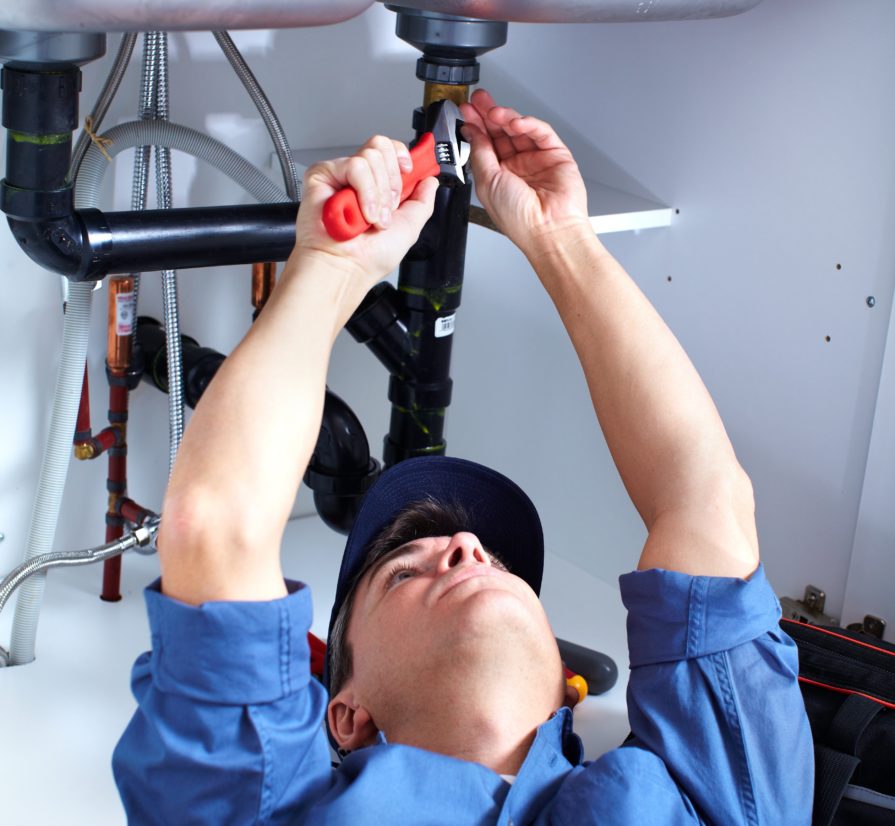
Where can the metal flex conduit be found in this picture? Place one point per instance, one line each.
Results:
(169, 276)
(145, 111)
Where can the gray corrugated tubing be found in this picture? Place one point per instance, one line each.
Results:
(184, 139)
(54, 468)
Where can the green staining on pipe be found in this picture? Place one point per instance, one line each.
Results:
(437, 298)
(438, 449)
(39, 140)
(417, 413)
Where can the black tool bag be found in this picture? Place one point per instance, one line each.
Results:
(848, 683)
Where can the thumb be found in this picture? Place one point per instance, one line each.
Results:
(485, 164)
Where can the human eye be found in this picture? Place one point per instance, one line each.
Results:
(398, 573)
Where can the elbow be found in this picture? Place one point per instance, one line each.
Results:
(198, 522)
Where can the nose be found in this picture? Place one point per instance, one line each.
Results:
(463, 548)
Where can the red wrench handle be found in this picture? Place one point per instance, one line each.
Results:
(342, 214)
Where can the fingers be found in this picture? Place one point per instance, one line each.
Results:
(374, 174)
(509, 131)
(485, 163)
(418, 207)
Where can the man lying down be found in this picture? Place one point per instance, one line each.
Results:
(445, 687)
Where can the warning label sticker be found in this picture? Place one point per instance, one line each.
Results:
(124, 314)
(444, 326)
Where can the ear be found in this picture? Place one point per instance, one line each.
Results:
(351, 725)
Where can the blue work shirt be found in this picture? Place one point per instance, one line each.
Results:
(229, 726)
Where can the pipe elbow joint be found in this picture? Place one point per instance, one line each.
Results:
(341, 470)
(60, 245)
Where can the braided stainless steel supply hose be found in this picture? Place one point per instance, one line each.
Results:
(145, 111)
(139, 537)
(169, 277)
(104, 100)
(267, 112)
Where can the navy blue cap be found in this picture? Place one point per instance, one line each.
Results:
(500, 515)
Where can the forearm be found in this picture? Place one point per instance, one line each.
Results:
(248, 444)
(660, 423)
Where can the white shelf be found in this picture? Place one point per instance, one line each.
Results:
(610, 209)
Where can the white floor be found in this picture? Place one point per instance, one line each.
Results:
(63, 713)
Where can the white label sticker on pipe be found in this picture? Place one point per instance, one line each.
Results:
(124, 314)
(444, 326)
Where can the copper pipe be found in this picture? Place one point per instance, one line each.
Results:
(120, 323)
(83, 441)
(434, 92)
(264, 279)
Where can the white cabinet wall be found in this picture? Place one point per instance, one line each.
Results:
(771, 133)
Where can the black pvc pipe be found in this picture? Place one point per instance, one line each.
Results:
(88, 244)
(377, 323)
(340, 470)
(430, 282)
(199, 363)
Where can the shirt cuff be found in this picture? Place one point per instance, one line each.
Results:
(674, 616)
(233, 653)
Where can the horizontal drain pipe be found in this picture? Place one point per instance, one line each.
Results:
(89, 244)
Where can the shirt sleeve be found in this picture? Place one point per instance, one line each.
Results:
(228, 727)
(713, 691)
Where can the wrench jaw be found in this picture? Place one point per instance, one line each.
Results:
(451, 151)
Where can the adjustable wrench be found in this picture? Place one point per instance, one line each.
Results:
(441, 152)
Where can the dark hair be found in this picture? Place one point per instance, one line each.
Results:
(426, 517)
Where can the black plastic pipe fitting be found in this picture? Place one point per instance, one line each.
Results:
(340, 471)
(40, 111)
(199, 363)
(377, 323)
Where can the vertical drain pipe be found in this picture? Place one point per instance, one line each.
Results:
(40, 111)
(430, 279)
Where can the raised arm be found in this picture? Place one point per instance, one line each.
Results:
(251, 437)
(660, 423)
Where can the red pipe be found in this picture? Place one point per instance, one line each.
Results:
(133, 512)
(116, 484)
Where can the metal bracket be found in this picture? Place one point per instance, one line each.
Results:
(874, 626)
(809, 609)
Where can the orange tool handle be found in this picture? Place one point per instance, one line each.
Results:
(342, 214)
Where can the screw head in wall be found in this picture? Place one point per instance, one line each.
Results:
(871, 301)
